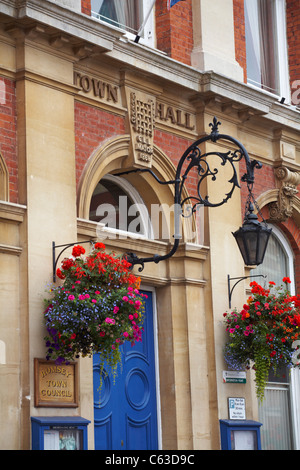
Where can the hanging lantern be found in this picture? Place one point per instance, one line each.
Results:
(252, 238)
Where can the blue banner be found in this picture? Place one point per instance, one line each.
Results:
(173, 2)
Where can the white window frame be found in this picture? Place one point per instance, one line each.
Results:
(148, 37)
(146, 225)
(282, 51)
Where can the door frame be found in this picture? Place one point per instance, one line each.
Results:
(156, 358)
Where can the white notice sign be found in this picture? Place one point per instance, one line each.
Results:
(234, 376)
(237, 408)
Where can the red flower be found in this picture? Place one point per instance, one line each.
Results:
(287, 280)
(67, 263)
(77, 251)
(60, 274)
(99, 246)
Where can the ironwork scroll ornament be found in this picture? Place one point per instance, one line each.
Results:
(194, 159)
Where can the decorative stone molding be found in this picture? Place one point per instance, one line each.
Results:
(141, 110)
(287, 181)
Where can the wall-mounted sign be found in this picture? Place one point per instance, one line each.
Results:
(236, 408)
(234, 376)
(55, 385)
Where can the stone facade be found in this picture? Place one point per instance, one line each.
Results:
(71, 88)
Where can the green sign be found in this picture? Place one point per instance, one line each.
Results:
(234, 376)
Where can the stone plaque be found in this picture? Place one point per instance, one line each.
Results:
(141, 109)
(55, 385)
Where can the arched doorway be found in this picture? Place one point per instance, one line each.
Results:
(126, 412)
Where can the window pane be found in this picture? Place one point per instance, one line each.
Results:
(275, 265)
(261, 44)
(112, 206)
(125, 14)
(274, 413)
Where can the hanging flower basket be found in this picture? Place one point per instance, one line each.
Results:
(96, 309)
(264, 334)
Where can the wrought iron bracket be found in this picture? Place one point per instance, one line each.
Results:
(239, 279)
(193, 158)
(65, 247)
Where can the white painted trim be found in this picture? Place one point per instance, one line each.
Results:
(284, 85)
(289, 252)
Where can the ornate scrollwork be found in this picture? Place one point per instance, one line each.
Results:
(193, 158)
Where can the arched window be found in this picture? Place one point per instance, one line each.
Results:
(118, 206)
(278, 261)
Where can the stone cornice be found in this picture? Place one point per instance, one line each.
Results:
(12, 212)
(88, 37)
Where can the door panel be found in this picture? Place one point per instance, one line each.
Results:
(125, 413)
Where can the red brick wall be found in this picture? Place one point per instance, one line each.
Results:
(8, 137)
(86, 7)
(293, 38)
(239, 35)
(264, 181)
(92, 127)
(174, 147)
(174, 29)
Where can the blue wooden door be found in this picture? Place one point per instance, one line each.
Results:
(125, 413)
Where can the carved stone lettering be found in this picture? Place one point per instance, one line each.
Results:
(98, 88)
(174, 116)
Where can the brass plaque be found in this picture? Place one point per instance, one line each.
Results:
(55, 385)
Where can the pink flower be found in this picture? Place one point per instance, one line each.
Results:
(94, 301)
(125, 334)
(130, 317)
(116, 309)
(266, 305)
(111, 321)
(125, 298)
(71, 297)
(137, 304)
(97, 292)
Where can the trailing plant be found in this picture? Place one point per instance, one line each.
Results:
(264, 333)
(96, 309)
